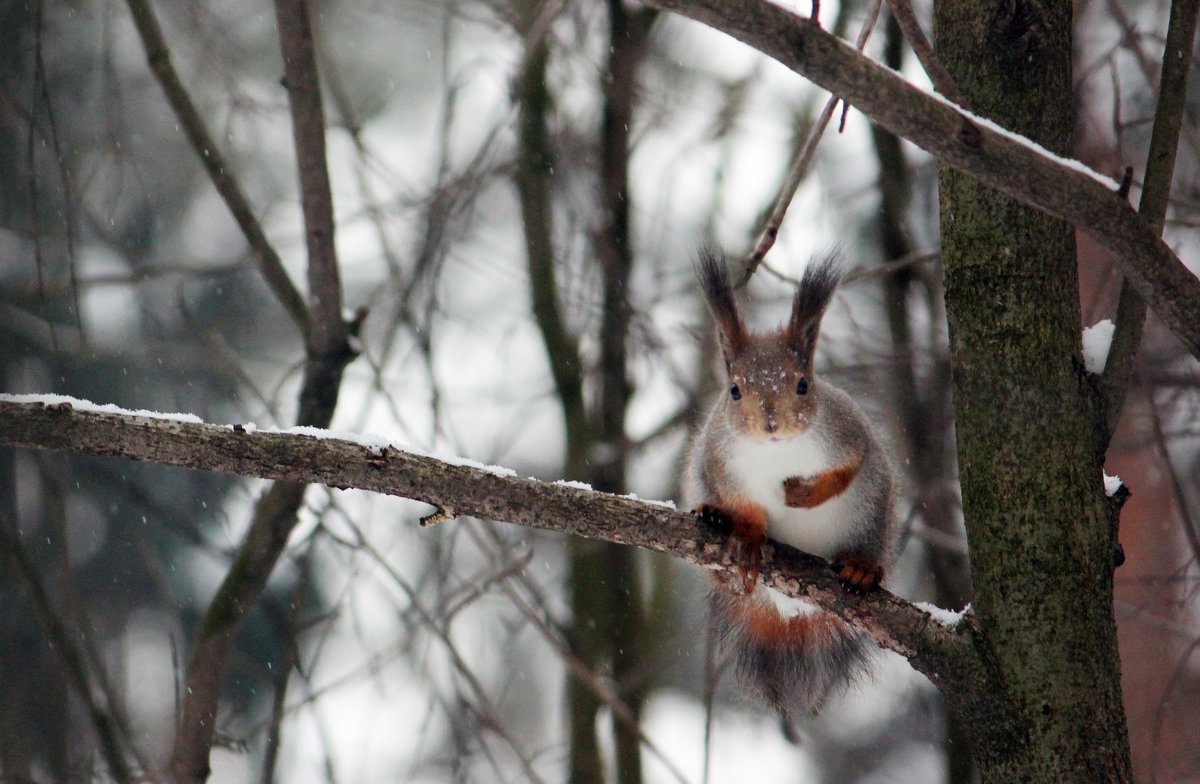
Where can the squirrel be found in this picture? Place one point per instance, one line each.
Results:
(784, 455)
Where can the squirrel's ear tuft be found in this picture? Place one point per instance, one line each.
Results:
(714, 280)
(816, 288)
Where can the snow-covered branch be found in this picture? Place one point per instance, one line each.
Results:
(455, 486)
(1002, 159)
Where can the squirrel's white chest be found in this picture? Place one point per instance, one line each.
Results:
(760, 467)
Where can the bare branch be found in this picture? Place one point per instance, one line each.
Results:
(906, 20)
(795, 176)
(1156, 192)
(41, 90)
(308, 130)
(219, 171)
(970, 144)
(441, 630)
(603, 690)
(1190, 530)
(327, 356)
(534, 164)
(301, 457)
(799, 168)
(621, 636)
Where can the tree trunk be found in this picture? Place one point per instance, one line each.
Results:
(619, 584)
(605, 594)
(1037, 518)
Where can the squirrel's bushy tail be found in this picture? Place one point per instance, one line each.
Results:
(793, 664)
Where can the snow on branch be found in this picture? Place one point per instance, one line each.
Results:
(456, 486)
(997, 157)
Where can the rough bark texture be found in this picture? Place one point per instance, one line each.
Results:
(1041, 546)
(923, 404)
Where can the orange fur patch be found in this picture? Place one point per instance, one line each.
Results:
(764, 623)
(749, 520)
(801, 493)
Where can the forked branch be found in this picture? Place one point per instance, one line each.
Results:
(970, 144)
(1156, 193)
(219, 170)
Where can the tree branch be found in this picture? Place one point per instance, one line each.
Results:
(345, 461)
(1156, 193)
(219, 171)
(66, 645)
(799, 167)
(906, 20)
(619, 632)
(970, 144)
(308, 131)
(534, 164)
(327, 354)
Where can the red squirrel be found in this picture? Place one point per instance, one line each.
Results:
(787, 456)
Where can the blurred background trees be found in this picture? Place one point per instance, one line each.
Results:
(519, 191)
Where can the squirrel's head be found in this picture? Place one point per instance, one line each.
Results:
(772, 392)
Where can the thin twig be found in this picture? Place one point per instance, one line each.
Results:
(42, 91)
(442, 632)
(73, 615)
(1190, 530)
(906, 20)
(583, 673)
(39, 256)
(791, 184)
(887, 268)
(1161, 709)
(868, 273)
(799, 168)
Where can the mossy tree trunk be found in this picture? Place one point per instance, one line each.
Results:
(1038, 522)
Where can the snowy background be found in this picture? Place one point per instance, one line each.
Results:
(393, 653)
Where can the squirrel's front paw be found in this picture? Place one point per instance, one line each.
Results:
(714, 517)
(807, 492)
(799, 493)
(744, 555)
(857, 574)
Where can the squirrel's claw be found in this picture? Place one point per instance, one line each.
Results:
(715, 518)
(858, 575)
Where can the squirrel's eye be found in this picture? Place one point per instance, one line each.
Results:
(802, 387)
(735, 393)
